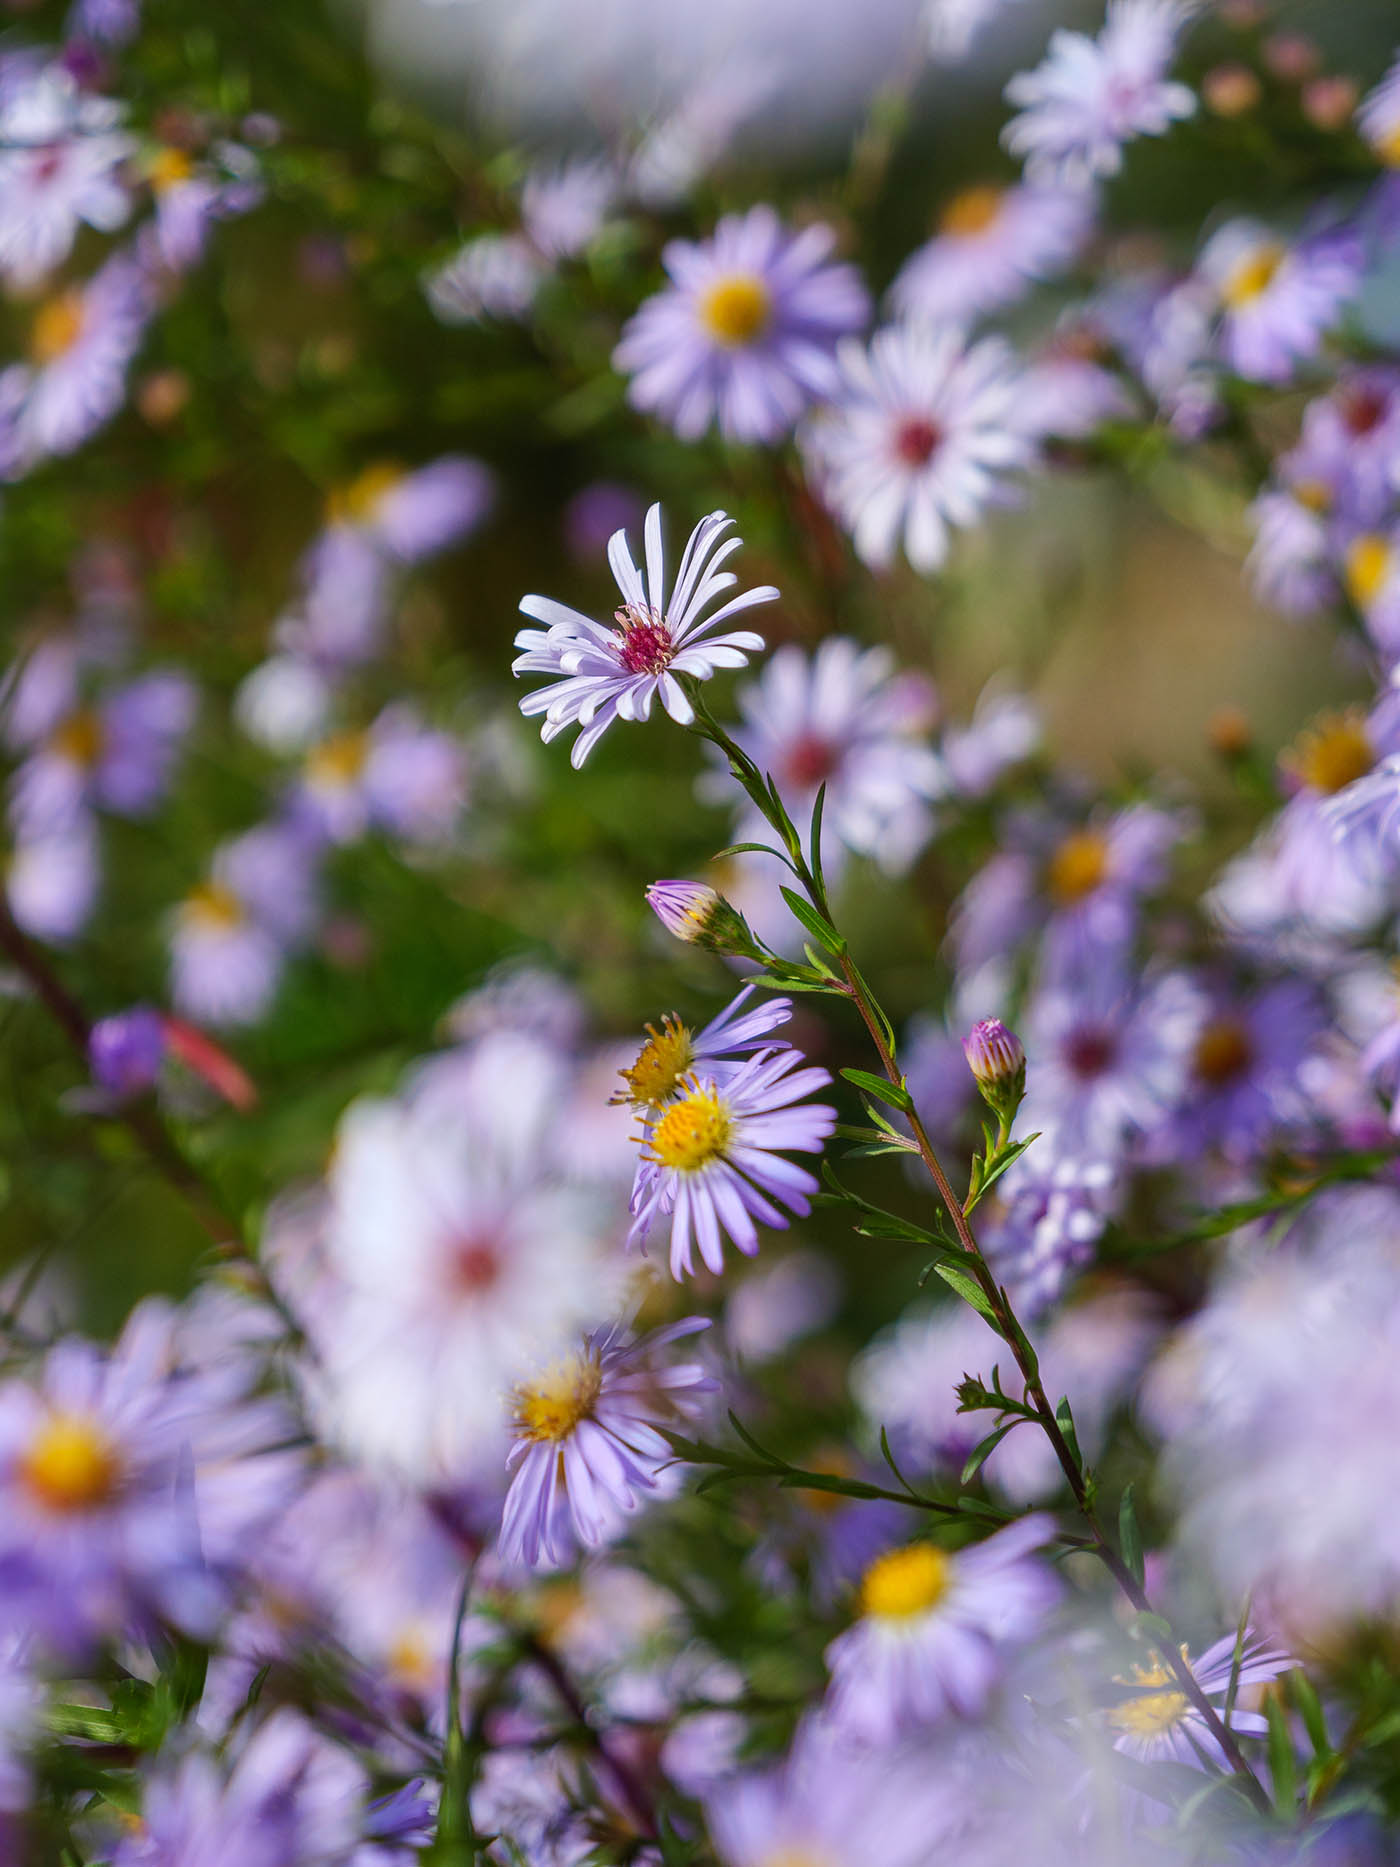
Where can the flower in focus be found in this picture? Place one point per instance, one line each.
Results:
(1277, 301)
(1091, 96)
(920, 439)
(991, 246)
(997, 1060)
(605, 673)
(1160, 1724)
(710, 1162)
(746, 333)
(586, 1448)
(671, 1055)
(697, 914)
(929, 1629)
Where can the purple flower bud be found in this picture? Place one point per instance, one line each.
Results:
(997, 1060)
(698, 915)
(127, 1049)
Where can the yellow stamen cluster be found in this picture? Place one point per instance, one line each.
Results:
(551, 1409)
(661, 1064)
(338, 760)
(1368, 565)
(1150, 1714)
(410, 1663)
(693, 1131)
(168, 168)
(971, 211)
(1077, 867)
(1223, 1052)
(57, 326)
(213, 907)
(1333, 753)
(79, 738)
(905, 1582)
(355, 503)
(70, 1465)
(1252, 276)
(1388, 148)
(736, 310)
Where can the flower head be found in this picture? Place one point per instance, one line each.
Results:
(990, 247)
(602, 672)
(669, 1056)
(700, 916)
(1157, 1722)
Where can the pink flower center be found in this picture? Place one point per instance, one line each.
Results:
(645, 646)
(810, 761)
(476, 1265)
(915, 439)
(1089, 1053)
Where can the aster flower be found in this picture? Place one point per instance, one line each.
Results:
(710, 1163)
(1277, 302)
(920, 440)
(991, 246)
(126, 1050)
(409, 515)
(52, 878)
(190, 196)
(671, 1055)
(231, 935)
(697, 914)
(496, 275)
(1160, 1724)
(1378, 118)
(1246, 1064)
(117, 754)
(930, 1627)
(1052, 1207)
(601, 673)
(1091, 96)
(746, 333)
(61, 153)
(398, 776)
(586, 1448)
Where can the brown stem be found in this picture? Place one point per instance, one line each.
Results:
(1006, 1326)
(631, 1789)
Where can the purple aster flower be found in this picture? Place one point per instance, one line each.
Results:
(670, 1056)
(81, 344)
(991, 246)
(109, 22)
(1370, 564)
(562, 209)
(1277, 302)
(1070, 391)
(125, 1051)
(1003, 732)
(190, 197)
(1289, 564)
(587, 1450)
(842, 718)
(496, 275)
(921, 438)
(697, 914)
(61, 156)
(711, 1163)
(1052, 1209)
(926, 1643)
(233, 932)
(117, 754)
(284, 704)
(1245, 1066)
(1378, 117)
(1159, 1724)
(344, 605)
(746, 333)
(52, 877)
(605, 673)
(1091, 96)
(399, 776)
(410, 516)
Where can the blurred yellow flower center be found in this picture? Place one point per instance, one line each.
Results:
(1252, 276)
(692, 1132)
(57, 326)
(971, 212)
(409, 1662)
(70, 1465)
(661, 1063)
(1223, 1052)
(1388, 148)
(214, 906)
(1334, 753)
(905, 1582)
(552, 1408)
(1152, 1713)
(355, 504)
(1368, 564)
(736, 310)
(79, 738)
(1313, 495)
(1077, 867)
(795, 1857)
(170, 167)
(338, 760)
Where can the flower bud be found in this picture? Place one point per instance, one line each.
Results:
(698, 915)
(125, 1051)
(997, 1060)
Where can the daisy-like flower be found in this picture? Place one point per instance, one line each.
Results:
(190, 196)
(1090, 96)
(408, 515)
(1378, 118)
(61, 152)
(746, 333)
(920, 439)
(601, 673)
(397, 775)
(117, 754)
(670, 1056)
(586, 1448)
(710, 1163)
(233, 932)
(929, 1629)
(991, 245)
(1277, 302)
(1159, 1724)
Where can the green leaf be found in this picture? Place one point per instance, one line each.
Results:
(821, 930)
(1130, 1536)
(981, 1452)
(967, 1288)
(987, 1172)
(895, 1094)
(1064, 1419)
(814, 837)
(753, 849)
(1310, 1710)
(1283, 1763)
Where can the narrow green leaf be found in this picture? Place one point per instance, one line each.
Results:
(981, 1452)
(753, 849)
(1130, 1536)
(1310, 1710)
(821, 930)
(895, 1094)
(967, 1288)
(1283, 1762)
(1064, 1419)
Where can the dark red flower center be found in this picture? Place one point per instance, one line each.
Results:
(915, 439)
(1089, 1052)
(476, 1265)
(645, 646)
(1363, 410)
(810, 761)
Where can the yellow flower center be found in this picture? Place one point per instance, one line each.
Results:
(736, 310)
(1151, 1713)
(693, 1131)
(57, 326)
(355, 504)
(795, 1857)
(971, 212)
(338, 760)
(1388, 148)
(70, 1466)
(409, 1661)
(905, 1582)
(1313, 495)
(213, 906)
(1077, 867)
(168, 168)
(1252, 276)
(1368, 564)
(661, 1063)
(552, 1408)
(1223, 1052)
(79, 738)
(1334, 753)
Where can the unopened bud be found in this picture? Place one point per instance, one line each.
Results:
(126, 1050)
(700, 916)
(998, 1061)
